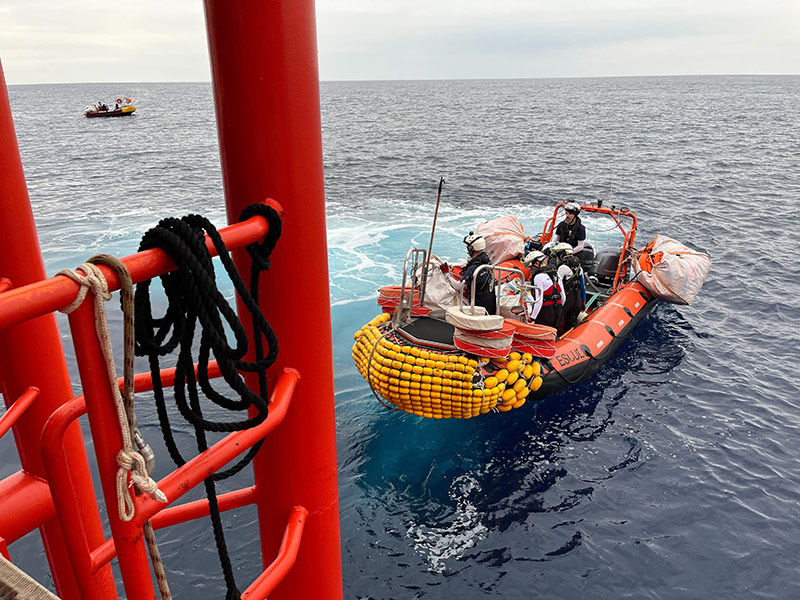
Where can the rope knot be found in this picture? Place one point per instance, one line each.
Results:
(126, 460)
(132, 462)
(91, 279)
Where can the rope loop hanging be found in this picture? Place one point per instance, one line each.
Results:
(196, 307)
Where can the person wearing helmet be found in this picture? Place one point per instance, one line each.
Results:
(484, 286)
(571, 230)
(547, 309)
(571, 274)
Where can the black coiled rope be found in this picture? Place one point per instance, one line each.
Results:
(193, 299)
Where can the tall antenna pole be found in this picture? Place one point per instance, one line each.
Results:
(430, 245)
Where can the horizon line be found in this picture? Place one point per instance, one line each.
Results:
(432, 79)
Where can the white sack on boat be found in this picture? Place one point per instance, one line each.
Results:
(510, 306)
(671, 271)
(439, 294)
(505, 238)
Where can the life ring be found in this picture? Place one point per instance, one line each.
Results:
(541, 348)
(533, 331)
(495, 343)
(461, 317)
(394, 292)
(506, 331)
(479, 350)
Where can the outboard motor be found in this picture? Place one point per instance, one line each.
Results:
(604, 265)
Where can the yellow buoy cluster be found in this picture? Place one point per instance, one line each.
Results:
(440, 385)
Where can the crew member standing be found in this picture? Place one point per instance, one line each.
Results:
(571, 230)
(571, 273)
(548, 306)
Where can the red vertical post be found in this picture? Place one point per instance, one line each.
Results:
(107, 436)
(266, 90)
(31, 356)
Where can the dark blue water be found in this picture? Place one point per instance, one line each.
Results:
(673, 473)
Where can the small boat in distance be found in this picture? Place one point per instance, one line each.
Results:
(122, 108)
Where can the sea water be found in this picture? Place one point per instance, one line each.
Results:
(672, 473)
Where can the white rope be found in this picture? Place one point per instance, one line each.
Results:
(129, 460)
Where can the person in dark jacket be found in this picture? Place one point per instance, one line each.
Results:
(484, 284)
(571, 274)
(571, 230)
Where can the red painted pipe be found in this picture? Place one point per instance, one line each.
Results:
(266, 52)
(26, 505)
(68, 509)
(220, 454)
(107, 437)
(44, 297)
(16, 410)
(199, 508)
(266, 583)
(87, 560)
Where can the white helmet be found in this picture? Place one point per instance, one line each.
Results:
(572, 207)
(549, 246)
(562, 248)
(475, 242)
(533, 257)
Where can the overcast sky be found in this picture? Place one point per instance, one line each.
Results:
(53, 41)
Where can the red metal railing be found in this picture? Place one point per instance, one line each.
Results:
(259, 50)
(30, 501)
(87, 561)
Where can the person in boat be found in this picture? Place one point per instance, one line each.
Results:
(548, 308)
(571, 274)
(484, 286)
(571, 230)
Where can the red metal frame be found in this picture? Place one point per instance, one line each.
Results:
(17, 409)
(263, 50)
(27, 500)
(31, 356)
(43, 297)
(87, 560)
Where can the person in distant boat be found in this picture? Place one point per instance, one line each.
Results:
(571, 230)
(548, 308)
(116, 106)
(484, 285)
(571, 274)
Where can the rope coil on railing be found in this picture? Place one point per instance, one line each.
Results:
(194, 299)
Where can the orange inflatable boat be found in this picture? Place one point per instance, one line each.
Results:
(466, 363)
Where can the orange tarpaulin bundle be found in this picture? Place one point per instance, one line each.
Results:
(671, 271)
